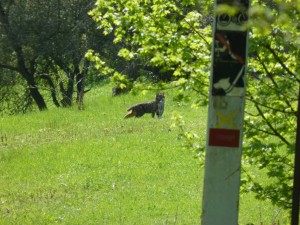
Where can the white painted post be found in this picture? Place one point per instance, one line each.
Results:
(226, 115)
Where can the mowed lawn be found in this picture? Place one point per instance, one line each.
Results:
(65, 166)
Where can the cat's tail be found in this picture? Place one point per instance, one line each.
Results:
(130, 113)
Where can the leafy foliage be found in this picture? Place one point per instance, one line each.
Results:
(13, 86)
(273, 96)
(170, 35)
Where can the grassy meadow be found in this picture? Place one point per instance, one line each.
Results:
(65, 166)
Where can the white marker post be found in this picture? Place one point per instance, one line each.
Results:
(226, 116)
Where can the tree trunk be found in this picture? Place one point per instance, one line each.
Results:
(29, 77)
(80, 78)
(80, 90)
(52, 87)
(36, 95)
(68, 95)
(38, 98)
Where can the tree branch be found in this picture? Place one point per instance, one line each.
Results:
(8, 67)
(269, 107)
(267, 46)
(197, 32)
(275, 84)
(269, 124)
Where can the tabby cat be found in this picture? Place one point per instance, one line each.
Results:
(154, 107)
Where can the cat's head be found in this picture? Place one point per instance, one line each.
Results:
(159, 96)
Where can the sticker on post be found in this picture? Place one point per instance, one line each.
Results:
(224, 137)
(229, 63)
(236, 22)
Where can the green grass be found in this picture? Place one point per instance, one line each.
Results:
(65, 166)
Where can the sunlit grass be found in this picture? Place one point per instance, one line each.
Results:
(93, 167)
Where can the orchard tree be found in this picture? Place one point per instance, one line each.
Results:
(175, 36)
(13, 41)
(45, 44)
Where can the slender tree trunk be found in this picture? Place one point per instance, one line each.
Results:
(80, 90)
(296, 186)
(80, 78)
(52, 87)
(68, 94)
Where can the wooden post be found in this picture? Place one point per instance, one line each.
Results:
(296, 188)
(226, 116)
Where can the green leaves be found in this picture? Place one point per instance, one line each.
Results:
(126, 54)
(162, 34)
(189, 139)
(273, 94)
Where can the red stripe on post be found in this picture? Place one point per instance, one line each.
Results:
(224, 137)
